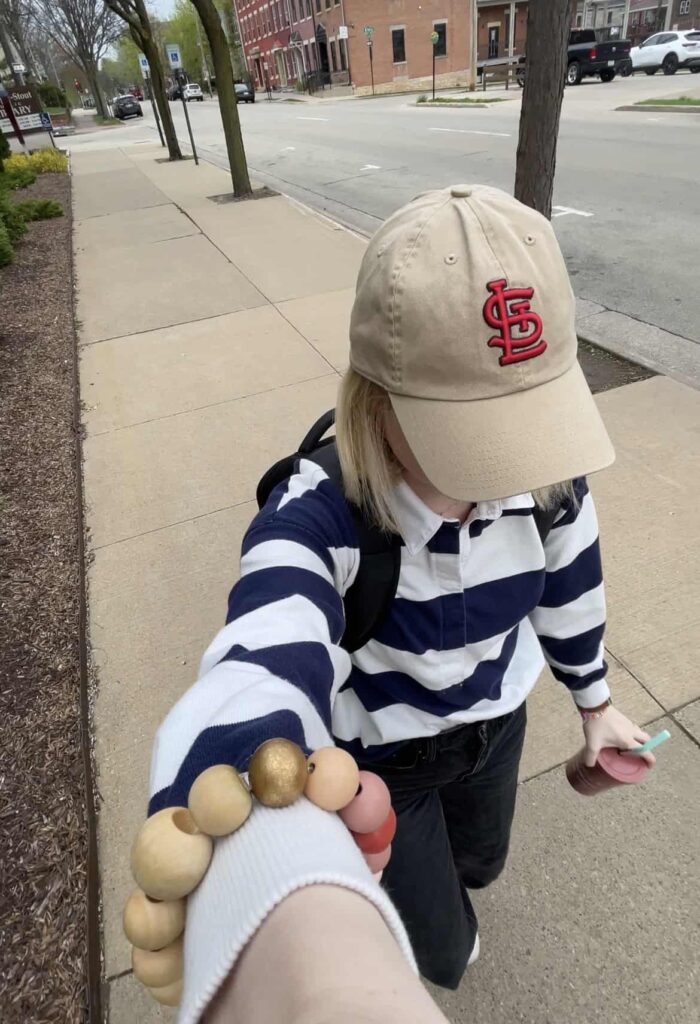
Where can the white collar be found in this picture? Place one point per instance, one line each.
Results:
(418, 524)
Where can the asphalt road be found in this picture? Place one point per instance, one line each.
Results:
(627, 182)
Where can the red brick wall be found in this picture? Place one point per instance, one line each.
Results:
(496, 14)
(417, 21)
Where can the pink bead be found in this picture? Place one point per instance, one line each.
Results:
(378, 861)
(333, 778)
(370, 807)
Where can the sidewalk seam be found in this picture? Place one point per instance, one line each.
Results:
(179, 522)
(180, 323)
(213, 405)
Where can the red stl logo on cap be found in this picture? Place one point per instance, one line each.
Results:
(508, 308)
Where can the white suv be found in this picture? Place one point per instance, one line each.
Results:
(668, 51)
(192, 91)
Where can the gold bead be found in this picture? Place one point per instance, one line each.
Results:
(219, 800)
(278, 773)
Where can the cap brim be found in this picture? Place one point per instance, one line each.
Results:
(496, 447)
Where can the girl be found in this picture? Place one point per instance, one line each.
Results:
(462, 413)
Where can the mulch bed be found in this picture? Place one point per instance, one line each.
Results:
(43, 819)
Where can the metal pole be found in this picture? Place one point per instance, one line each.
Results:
(475, 46)
(371, 64)
(433, 70)
(187, 118)
(625, 19)
(149, 86)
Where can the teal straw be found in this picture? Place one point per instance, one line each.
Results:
(660, 737)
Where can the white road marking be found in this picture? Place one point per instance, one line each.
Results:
(371, 167)
(564, 210)
(313, 118)
(471, 131)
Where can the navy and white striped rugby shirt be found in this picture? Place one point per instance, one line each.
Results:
(476, 607)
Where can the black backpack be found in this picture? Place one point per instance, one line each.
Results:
(368, 600)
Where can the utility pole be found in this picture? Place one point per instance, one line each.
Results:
(474, 14)
(625, 19)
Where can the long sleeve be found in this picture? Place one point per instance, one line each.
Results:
(273, 670)
(570, 617)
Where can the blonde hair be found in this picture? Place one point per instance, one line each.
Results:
(370, 468)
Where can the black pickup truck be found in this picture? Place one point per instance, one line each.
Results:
(589, 55)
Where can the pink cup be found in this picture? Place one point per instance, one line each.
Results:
(611, 769)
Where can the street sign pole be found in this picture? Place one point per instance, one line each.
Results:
(175, 61)
(369, 32)
(181, 79)
(146, 75)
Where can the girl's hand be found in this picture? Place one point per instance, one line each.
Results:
(613, 729)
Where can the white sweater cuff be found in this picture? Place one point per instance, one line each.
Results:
(593, 696)
(275, 853)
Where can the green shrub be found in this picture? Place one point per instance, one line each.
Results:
(51, 95)
(5, 149)
(39, 209)
(12, 218)
(6, 251)
(423, 98)
(17, 177)
(48, 161)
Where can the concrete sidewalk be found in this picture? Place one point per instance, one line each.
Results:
(211, 336)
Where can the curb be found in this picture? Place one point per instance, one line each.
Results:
(646, 108)
(452, 105)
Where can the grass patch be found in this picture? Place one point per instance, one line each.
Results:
(461, 101)
(681, 101)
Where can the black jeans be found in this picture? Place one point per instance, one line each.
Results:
(454, 797)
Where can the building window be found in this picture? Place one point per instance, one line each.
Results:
(684, 7)
(329, 4)
(342, 50)
(398, 44)
(441, 45)
(318, 6)
(334, 58)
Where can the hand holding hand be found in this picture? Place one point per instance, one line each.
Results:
(613, 729)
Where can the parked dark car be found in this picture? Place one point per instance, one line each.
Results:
(126, 106)
(590, 55)
(244, 93)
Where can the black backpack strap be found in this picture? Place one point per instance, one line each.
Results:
(544, 520)
(368, 600)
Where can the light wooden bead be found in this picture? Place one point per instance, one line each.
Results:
(168, 995)
(170, 856)
(219, 800)
(152, 924)
(277, 773)
(333, 778)
(160, 967)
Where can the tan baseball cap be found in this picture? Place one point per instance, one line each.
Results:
(465, 314)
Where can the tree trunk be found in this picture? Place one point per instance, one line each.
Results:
(226, 95)
(548, 23)
(7, 52)
(92, 75)
(152, 53)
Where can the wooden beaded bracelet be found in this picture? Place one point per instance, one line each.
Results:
(172, 852)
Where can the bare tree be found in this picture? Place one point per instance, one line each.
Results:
(134, 13)
(548, 23)
(84, 30)
(14, 24)
(226, 93)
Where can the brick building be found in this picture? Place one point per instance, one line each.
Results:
(284, 39)
(501, 29)
(685, 14)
